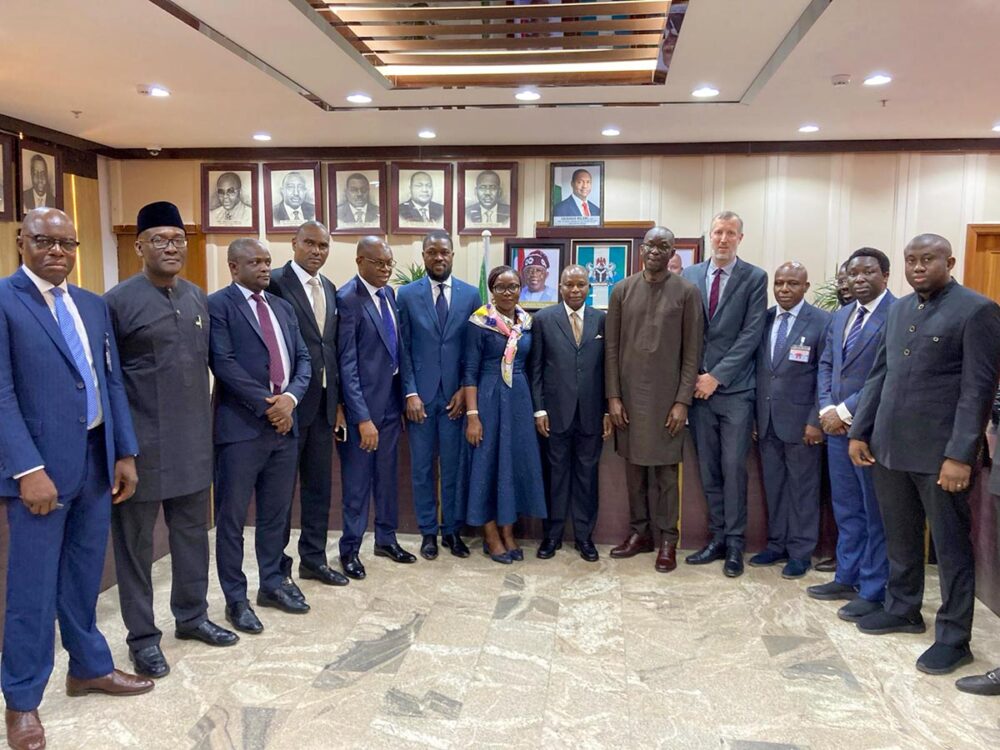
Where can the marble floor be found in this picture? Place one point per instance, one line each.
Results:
(541, 654)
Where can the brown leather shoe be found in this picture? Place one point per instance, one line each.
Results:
(24, 730)
(116, 683)
(666, 560)
(633, 546)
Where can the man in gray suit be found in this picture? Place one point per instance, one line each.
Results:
(734, 294)
(919, 425)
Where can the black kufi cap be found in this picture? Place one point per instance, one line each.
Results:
(158, 214)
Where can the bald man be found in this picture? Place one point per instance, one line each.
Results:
(788, 431)
(919, 424)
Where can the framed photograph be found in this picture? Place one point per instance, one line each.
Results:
(7, 209)
(421, 197)
(687, 252)
(607, 263)
(538, 263)
(487, 198)
(229, 198)
(40, 181)
(576, 194)
(357, 198)
(292, 194)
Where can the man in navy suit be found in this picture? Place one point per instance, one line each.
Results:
(577, 203)
(368, 352)
(567, 388)
(788, 431)
(262, 371)
(851, 344)
(432, 316)
(734, 294)
(67, 453)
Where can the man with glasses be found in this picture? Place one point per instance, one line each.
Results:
(161, 326)
(232, 211)
(368, 354)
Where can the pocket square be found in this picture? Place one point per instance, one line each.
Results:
(598, 336)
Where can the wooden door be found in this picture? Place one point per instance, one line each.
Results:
(982, 259)
(195, 268)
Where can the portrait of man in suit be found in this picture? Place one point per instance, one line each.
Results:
(296, 199)
(358, 208)
(419, 207)
(578, 208)
(37, 170)
(230, 205)
(488, 210)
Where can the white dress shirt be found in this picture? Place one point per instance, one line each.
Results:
(373, 291)
(40, 201)
(286, 363)
(793, 315)
(727, 272)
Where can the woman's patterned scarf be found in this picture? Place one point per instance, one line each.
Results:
(487, 317)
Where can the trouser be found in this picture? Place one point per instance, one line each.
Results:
(791, 484)
(653, 501)
(437, 437)
(573, 457)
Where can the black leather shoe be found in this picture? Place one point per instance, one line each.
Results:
(279, 598)
(394, 552)
(547, 549)
(733, 567)
(832, 591)
(207, 632)
(429, 547)
(455, 544)
(242, 617)
(149, 662)
(855, 609)
(883, 623)
(324, 573)
(290, 588)
(981, 684)
(587, 550)
(709, 553)
(941, 658)
(352, 567)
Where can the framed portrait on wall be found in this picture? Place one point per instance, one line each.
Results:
(292, 195)
(228, 198)
(7, 212)
(538, 263)
(576, 194)
(487, 198)
(687, 252)
(40, 181)
(357, 198)
(421, 197)
(607, 263)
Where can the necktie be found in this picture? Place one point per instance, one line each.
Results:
(781, 338)
(318, 302)
(276, 371)
(359, 216)
(68, 330)
(713, 295)
(425, 214)
(441, 305)
(574, 319)
(586, 208)
(855, 333)
(390, 327)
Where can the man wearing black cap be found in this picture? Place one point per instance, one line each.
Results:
(161, 325)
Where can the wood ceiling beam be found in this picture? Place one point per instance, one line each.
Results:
(521, 58)
(354, 14)
(569, 42)
(370, 31)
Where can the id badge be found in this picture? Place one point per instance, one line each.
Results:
(107, 351)
(799, 352)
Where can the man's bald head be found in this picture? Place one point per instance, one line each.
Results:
(791, 282)
(930, 240)
(928, 263)
(574, 285)
(47, 244)
(308, 226)
(374, 260)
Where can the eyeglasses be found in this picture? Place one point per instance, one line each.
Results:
(661, 249)
(512, 289)
(42, 242)
(382, 265)
(162, 243)
(228, 191)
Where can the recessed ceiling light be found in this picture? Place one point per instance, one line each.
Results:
(878, 79)
(809, 129)
(705, 92)
(611, 132)
(527, 95)
(261, 137)
(427, 134)
(359, 98)
(152, 89)
(996, 128)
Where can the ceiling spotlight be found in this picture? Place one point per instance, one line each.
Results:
(996, 128)
(261, 136)
(527, 95)
(809, 129)
(151, 89)
(611, 132)
(428, 134)
(359, 98)
(877, 79)
(705, 92)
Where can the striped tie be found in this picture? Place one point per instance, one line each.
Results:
(68, 329)
(855, 333)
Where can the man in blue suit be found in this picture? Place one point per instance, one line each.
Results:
(67, 453)
(432, 316)
(734, 294)
(851, 344)
(262, 371)
(788, 431)
(368, 352)
(577, 204)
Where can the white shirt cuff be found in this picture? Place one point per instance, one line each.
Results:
(410, 394)
(845, 414)
(29, 471)
(541, 413)
(292, 397)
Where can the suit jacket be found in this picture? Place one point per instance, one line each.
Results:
(566, 378)
(786, 390)
(839, 380)
(239, 359)
(408, 211)
(568, 208)
(345, 214)
(367, 384)
(431, 358)
(280, 214)
(474, 213)
(28, 200)
(43, 402)
(929, 393)
(733, 335)
(322, 348)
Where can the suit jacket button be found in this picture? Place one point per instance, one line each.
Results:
(906, 352)
(912, 329)
(936, 339)
(79, 386)
(83, 420)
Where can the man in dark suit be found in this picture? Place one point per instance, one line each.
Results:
(788, 431)
(40, 192)
(488, 210)
(67, 453)
(161, 326)
(567, 388)
(433, 312)
(357, 209)
(319, 414)
(734, 294)
(262, 371)
(577, 203)
(923, 411)
(293, 208)
(855, 331)
(368, 353)
(421, 208)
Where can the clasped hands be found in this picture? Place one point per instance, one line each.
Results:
(279, 413)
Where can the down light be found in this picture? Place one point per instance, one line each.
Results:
(428, 134)
(809, 129)
(152, 89)
(878, 79)
(359, 98)
(527, 95)
(996, 128)
(705, 92)
(261, 136)
(611, 132)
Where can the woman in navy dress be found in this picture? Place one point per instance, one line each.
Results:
(504, 466)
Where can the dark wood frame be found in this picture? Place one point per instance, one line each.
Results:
(550, 203)
(9, 212)
(697, 244)
(480, 166)
(512, 245)
(57, 177)
(630, 244)
(206, 191)
(332, 169)
(296, 166)
(423, 166)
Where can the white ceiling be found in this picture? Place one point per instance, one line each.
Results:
(60, 55)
